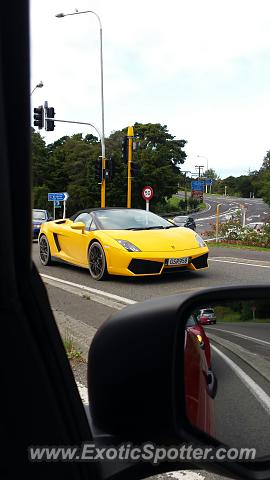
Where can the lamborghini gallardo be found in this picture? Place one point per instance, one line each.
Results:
(121, 241)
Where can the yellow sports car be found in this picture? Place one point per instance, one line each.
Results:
(121, 241)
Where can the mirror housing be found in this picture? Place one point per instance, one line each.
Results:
(136, 379)
(78, 226)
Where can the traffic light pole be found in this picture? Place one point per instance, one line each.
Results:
(102, 141)
(130, 146)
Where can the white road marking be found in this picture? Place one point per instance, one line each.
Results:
(246, 262)
(83, 391)
(252, 386)
(95, 291)
(241, 335)
(185, 475)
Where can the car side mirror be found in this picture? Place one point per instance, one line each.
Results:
(78, 226)
(149, 380)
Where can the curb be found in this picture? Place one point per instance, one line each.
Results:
(80, 333)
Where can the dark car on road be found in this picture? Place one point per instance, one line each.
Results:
(39, 217)
(185, 221)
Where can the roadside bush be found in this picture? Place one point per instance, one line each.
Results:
(233, 232)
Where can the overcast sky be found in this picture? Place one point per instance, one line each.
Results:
(201, 67)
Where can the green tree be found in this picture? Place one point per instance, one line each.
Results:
(211, 173)
(263, 179)
(40, 167)
(158, 157)
(40, 198)
(69, 165)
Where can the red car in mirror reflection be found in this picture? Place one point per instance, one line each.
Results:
(198, 331)
(200, 385)
(207, 316)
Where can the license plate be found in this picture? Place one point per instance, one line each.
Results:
(177, 261)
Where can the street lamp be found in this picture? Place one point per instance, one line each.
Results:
(202, 156)
(102, 138)
(39, 85)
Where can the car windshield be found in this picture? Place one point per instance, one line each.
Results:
(39, 215)
(191, 322)
(207, 312)
(180, 219)
(131, 219)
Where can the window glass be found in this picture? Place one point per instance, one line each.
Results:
(86, 218)
(191, 322)
(93, 226)
(39, 215)
(130, 219)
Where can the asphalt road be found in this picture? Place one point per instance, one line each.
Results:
(256, 210)
(226, 267)
(241, 415)
(241, 362)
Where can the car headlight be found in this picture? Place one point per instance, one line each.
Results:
(199, 240)
(128, 246)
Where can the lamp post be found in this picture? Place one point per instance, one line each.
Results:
(202, 156)
(102, 138)
(39, 85)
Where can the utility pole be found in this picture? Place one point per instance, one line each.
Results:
(130, 136)
(200, 167)
(185, 186)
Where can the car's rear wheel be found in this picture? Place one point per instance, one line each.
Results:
(97, 262)
(44, 251)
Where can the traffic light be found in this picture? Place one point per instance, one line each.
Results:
(39, 117)
(98, 169)
(134, 169)
(110, 168)
(125, 149)
(49, 124)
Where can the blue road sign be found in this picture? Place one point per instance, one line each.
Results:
(208, 181)
(57, 197)
(197, 185)
(57, 204)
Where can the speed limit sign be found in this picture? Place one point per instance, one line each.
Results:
(147, 194)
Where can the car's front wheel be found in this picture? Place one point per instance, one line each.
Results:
(44, 251)
(97, 262)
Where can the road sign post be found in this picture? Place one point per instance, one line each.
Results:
(56, 198)
(197, 187)
(147, 194)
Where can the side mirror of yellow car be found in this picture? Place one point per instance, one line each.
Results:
(78, 226)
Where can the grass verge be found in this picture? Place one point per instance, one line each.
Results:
(238, 246)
